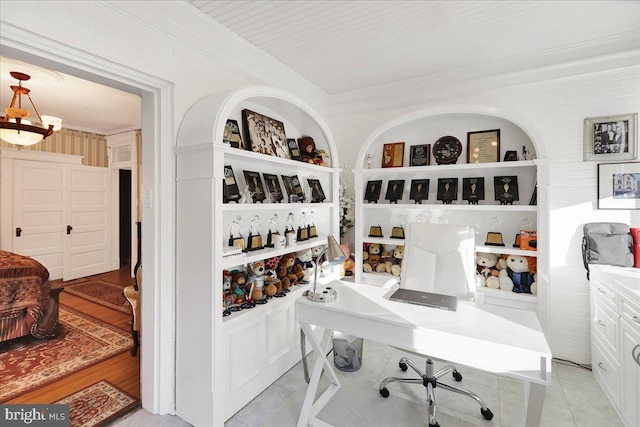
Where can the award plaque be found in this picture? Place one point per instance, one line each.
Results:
(510, 156)
(273, 187)
(506, 189)
(375, 231)
(255, 186)
(317, 195)
(395, 187)
(420, 155)
(231, 192)
(294, 149)
(393, 155)
(473, 190)
(494, 239)
(483, 146)
(447, 190)
(397, 233)
(419, 190)
(293, 188)
(254, 240)
(231, 134)
(372, 193)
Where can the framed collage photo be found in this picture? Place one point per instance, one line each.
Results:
(619, 185)
(447, 190)
(420, 155)
(255, 186)
(231, 134)
(230, 190)
(483, 146)
(265, 135)
(419, 190)
(473, 190)
(393, 155)
(273, 187)
(395, 188)
(317, 195)
(373, 191)
(293, 188)
(609, 138)
(506, 189)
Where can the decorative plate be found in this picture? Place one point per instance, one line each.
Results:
(446, 150)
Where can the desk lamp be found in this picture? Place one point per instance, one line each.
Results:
(334, 255)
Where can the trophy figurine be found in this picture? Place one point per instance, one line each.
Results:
(288, 228)
(235, 238)
(311, 228)
(397, 232)
(273, 231)
(303, 233)
(254, 240)
(375, 231)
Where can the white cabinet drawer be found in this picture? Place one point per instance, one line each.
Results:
(604, 323)
(630, 310)
(604, 368)
(604, 292)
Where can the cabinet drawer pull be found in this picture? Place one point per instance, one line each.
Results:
(601, 323)
(636, 319)
(602, 367)
(634, 356)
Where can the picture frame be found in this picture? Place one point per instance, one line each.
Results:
(393, 155)
(230, 189)
(619, 185)
(293, 188)
(473, 190)
(609, 138)
(232, 135)
(294, 149)
(447, 190)
(506, 189)
(510, 156)
(252, 179)
(272, 184)
(265, 135)
(483, 146)
(419, 190)
(373, 191)
(317, 194)
(395, 188)
(420, 155)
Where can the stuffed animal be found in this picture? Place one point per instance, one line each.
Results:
(308, 150)
(227, 300)
(255, 283)
(271, 281)
(516, 275)
(288, 272)
(371, 257)
(348, 267)
(393, 263)
(305, 260)
(238, 287)
(487, 270)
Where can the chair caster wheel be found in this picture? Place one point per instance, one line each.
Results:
(457, 376)
(384, 392)
(486, 414)
(403, 366)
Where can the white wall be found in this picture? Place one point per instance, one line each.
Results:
(555, 108)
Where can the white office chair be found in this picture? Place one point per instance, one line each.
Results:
(438, 258)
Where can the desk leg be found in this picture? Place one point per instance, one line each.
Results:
(533, 403)
(310, 409)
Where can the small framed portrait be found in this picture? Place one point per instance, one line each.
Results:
(231, 134)
(393, 155)
(265, 135)
(395, 188)
(609, 138)
(483, 146)
(273, 187)
(255, 186)
(230, 190)
(317, 195)
(473, 190)
(419, 190)
(420, 155)
(619, 185)
(510, 156)
(294, 149)
(506, 189)
(373, 191)
(293, 188)
(447, 190)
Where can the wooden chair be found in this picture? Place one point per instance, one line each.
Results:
(132, 294)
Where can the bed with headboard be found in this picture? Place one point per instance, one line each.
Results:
(28, 305)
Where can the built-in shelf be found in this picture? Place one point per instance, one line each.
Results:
(500, 208)
(438, 169)
(231, 153)
(257, 311)
(261, 254)
(384, 240)
(273, 206)
(505, 250)
(508, 295)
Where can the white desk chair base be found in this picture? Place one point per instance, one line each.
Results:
(429, 380)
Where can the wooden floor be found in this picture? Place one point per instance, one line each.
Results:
(123, 370)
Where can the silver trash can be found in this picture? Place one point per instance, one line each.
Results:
(347, 352)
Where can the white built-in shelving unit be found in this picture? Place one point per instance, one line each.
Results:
(222, 363)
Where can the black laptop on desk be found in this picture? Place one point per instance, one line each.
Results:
(427, 299)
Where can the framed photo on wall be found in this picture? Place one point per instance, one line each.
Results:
(393, 155)
(611, 138)
(619, 185)
(265, 135)
(420, 155)
(483, 146)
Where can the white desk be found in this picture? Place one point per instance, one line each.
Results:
(495, 339)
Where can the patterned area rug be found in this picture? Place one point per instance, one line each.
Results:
(101, 292)
(97, 404)
(28, 362)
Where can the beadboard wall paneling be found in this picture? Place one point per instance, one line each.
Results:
(556, 109)
(68, 141)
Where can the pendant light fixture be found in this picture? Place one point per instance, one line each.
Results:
(14, 126)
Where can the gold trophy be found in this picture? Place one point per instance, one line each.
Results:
(254, 240)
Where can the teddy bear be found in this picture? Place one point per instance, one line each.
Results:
(348, 266)
(271, 279)
(238, 287)
(227, 299)
(487, 270)
(305, 260)
(393, 263)
(516, 276)
(371, 257)
(288, 272)
(308, 150)
(255, 284)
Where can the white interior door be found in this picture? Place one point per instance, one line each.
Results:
(88, 242)
(38, 213)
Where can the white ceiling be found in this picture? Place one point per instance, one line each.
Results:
(342, 46)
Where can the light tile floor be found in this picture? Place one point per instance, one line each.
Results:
(574, 400)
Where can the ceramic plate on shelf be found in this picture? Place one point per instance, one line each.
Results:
(446, 150)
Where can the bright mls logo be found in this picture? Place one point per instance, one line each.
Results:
(35, 415)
